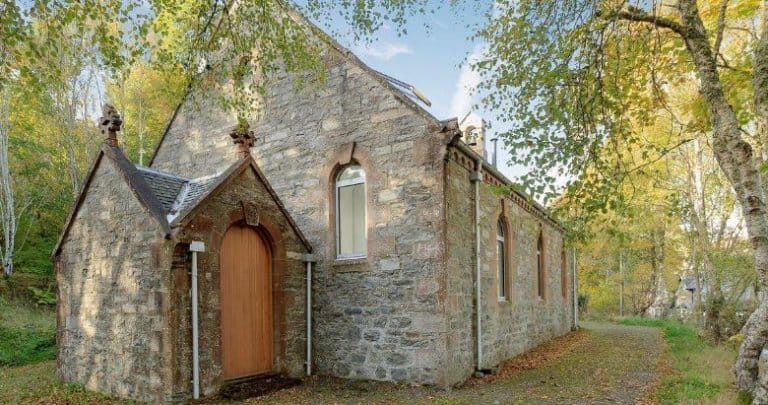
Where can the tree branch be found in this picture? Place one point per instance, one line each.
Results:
(720, 27)
(661, 155)
(637, 15)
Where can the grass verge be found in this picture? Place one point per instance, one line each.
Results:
(37, 384)
(698, 372)
(27, 353)
(27, 334)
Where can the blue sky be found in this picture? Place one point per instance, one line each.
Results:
(433, 60)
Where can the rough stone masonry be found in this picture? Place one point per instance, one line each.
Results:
(406, 311)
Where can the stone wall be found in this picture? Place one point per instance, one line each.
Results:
(112, 332)
(460, 262)
(208, 224)
(382, 317)
(524, 320)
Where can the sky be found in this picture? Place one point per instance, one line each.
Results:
(434, 61)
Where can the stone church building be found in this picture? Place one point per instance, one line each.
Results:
(347, 232)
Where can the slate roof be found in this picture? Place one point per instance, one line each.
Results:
(169, 197)
(193, 192)
(177, 194)
(165, 186)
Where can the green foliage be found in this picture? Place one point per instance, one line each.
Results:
(687, 388)
(596, 98)
(43, 297)
(55, 55)
(583, 300)
(27, 335)
(23, 346)
(701, 371)
(37, 383)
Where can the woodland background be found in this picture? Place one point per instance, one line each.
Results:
(604, 96)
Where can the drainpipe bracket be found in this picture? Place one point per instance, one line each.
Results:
(309, 258)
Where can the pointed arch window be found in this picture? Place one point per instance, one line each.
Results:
(501, 258)
(541, 282)
(351, 240)
(564, 273)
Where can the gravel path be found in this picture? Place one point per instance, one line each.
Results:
(614, 364)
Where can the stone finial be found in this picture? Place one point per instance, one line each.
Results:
(110, 123)
(243, 137)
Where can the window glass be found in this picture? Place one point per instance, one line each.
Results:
(540, 265)
(563, 274)
(501, 259)
(352, 173)
(350, 213)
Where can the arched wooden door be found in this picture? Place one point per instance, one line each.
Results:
(246, 303)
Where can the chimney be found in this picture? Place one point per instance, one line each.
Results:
(473, 128)
(110, 123)
(243, 137)
(495, 150)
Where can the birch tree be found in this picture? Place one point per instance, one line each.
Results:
(7, 203)
(572, 76)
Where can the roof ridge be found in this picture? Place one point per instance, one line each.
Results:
(160, 173)
(207, 177)
(173, 212)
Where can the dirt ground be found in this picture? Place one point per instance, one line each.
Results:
(607, 363)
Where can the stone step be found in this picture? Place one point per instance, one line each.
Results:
(256, 386)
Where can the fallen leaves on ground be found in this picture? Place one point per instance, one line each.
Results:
(537, 357)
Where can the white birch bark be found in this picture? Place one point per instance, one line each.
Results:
(8, 220)
(736, 159)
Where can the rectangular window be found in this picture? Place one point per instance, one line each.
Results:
(351, 220)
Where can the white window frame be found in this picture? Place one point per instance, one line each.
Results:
(344, 183)
(501, 268)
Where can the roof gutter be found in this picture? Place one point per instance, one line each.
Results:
(458, 144)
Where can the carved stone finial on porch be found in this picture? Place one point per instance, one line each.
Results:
(110, 123)
(243, 137)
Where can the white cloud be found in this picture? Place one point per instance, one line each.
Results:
(464, 96)
(383, 50)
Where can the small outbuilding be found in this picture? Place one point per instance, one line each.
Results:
(124, 269)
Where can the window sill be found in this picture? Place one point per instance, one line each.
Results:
(503, 300)
(350, 265)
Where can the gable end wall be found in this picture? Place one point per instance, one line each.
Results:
(382, 317)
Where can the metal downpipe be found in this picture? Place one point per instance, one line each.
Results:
(476, 178)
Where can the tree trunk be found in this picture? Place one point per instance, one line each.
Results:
(7, 203)
(654, 290)
(760, 80)
(756, 329)
(735, 157)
